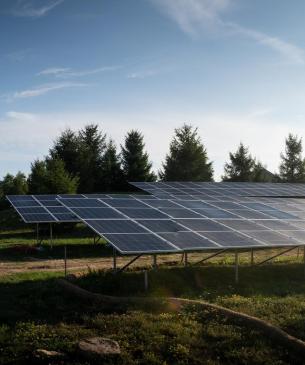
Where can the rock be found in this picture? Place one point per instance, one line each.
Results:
(46, 354)
(98, 347)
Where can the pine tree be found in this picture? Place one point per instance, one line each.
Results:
(292, 167)
(240, 167)
(66, 148)
(50, 177)
(92, 144)
(187, 159)
(37, 180)
(112, 174)
(135, 161)
(59, 181)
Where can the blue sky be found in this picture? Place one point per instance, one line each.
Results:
(233, 68)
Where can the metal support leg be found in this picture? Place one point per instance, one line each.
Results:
(51, 235)
(114, 260)
(304, 259)
(65, 259)
(236, 267)
(252, 257)
(185, 259)
(298, 253)
(37, 233)
(145, 280)
(155, 261)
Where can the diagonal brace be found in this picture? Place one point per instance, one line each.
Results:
(210, 257)
(277, 255)
(129, 263)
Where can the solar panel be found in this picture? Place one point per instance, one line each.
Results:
(232, 239)
(139, 243)
(189, 241)
(115, 226)
(162, 226)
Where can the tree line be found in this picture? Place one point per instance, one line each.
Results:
(87, 161)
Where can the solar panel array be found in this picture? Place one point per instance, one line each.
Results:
(46, 208)
(162, 225)
(219, 191)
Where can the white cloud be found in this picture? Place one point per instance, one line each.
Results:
(66, 73)
(193, 16)
(142, 74)
(34, 9)
(41, 90)
(218, 132)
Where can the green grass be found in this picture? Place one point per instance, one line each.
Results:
(36, 313)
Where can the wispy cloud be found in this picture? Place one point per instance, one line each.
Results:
(34, 9)
(142, 74)
(66, 73)
(193, 16)
(41, 90)
(17, 56)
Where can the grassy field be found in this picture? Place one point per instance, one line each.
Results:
(35, 312)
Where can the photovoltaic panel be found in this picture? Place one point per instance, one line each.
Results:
(115, 226)
(273, 238)
(139, 213)
(139, 243)
(202, 225)
(232, 239)
(189, 241)
(162, 226)
(37, 218)
(124, 203)
(95, 213)
(83, 203)
(215, 213)
(180, 213)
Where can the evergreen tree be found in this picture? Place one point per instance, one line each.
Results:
(187, 159)
(14, 185)
(37, 180)
(135, 161)
(50, 177)
(261, 174)
(240, 167)
(292, 167)
(112, 174)
(66, 148)
(59, 181)
(92, 144)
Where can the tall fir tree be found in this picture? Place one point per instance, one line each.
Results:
(92, 144)
(112, 173)
(292, 167)
(135, 160)
(241, 165)
(187, 159)
(66, 148)
(50, 177)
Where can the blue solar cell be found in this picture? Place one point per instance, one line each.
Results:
(195, 204)
(60, 210)
(215, 213)
(82, 203)
(188, 241)
(201, 225)
(148, 213)
(34, 210)
(25, 203)
(163, 225)
(281, 215)
(38, 218)
(125, 203)
(161, 203)
(242, 224)
(232, 239)
(139, 243)
(115, 226)
(95, 213)
(273, 238)
(251, 214)
(180, 213)
(66, 217)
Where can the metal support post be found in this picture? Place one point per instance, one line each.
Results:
(65, 259)
(252, 256)
(304, 259)
(185, 259)
(37, 233)
(154, 261)
(51, 235)
(145, 280)
(236, 267)
(114, 259)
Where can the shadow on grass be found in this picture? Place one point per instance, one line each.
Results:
(21, 253)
